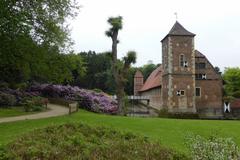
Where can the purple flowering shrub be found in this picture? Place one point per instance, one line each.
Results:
(90, 100)
(11, 97)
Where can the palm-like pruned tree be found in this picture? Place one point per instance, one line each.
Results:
(120, 68)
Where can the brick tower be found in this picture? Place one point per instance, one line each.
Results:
(178, 79)
(138, 81)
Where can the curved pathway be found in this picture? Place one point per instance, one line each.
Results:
(55, 110)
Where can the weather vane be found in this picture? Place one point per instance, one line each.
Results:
(176, 15)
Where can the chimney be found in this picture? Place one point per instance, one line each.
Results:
(138, 82)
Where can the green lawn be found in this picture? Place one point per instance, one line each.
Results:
(12, 111)
(170, 132)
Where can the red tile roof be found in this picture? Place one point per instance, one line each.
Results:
(154, 80)
(235, 103)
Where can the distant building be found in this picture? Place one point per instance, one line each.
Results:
(185, 81)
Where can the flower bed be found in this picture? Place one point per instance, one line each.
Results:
(90, 100)
(10, 97)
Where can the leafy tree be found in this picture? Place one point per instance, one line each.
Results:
(119, 68)
(147, 69)
(43, 20)
(76, 66)
(32, 36)
(98, 72)
(231, 77)
(129, 87)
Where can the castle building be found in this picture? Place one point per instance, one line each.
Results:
(185, 81)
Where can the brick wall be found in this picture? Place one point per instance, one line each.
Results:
(154, 96)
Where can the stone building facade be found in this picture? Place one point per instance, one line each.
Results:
(151, 88)
(187, 81)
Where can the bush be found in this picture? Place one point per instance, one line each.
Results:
(90, 100)
(165, 114)
(37, 108)
(213, 148)
(79, 141)
(4, 85)
(60, 101)
(7, 99)
(28, 105)
(21, 86)
(33, 104)
(97, 90)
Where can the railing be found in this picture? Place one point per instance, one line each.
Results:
(134, 97)
(72, 105)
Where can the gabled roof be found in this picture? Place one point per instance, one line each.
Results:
(199, 54)
(178, 30)
(154, 80)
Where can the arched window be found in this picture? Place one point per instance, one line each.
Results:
(181, 60)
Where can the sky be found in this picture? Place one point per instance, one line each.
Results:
(216, 24)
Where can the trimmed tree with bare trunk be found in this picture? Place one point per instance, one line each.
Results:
(120, 68)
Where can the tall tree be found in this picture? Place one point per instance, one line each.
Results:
(147, 69)
(32, 35)
(98, 72)
(119, 68)
(231, 77)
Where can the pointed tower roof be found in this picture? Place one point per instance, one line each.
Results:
(178, 30)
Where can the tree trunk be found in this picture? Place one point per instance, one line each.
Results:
(119, 86)
(120, 99)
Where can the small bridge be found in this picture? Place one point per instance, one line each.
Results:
(137, 108)
(146, 98)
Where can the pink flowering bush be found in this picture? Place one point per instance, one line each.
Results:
(90, 100)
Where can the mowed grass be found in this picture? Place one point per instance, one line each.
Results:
(12, 111)
(170, 132)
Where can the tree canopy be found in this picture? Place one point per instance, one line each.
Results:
(231, 77)
(33, 36)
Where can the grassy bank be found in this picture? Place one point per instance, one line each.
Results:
(13, 111)
(81, 141)
(170, 132)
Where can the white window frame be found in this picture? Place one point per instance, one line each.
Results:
(179, 93)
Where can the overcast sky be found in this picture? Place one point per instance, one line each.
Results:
(216, 24)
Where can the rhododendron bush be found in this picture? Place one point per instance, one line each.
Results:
(90, 100)
(11, 97)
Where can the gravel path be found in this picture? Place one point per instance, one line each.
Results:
(55, 110)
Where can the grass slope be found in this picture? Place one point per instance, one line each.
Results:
(13, 111)
(170, 132)
(77, 141)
